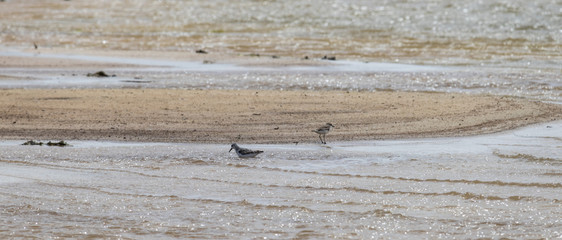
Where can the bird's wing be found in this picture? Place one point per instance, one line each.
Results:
(322, 129)
(248, 151)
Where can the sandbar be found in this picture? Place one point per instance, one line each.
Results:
(257, 116)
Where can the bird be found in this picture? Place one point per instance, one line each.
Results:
(322, 131)
(244, 152)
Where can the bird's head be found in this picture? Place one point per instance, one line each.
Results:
(233, 146)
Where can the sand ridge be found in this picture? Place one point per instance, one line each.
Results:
(251, 116)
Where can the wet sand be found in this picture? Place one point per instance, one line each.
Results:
(251, 116)
(55, 58)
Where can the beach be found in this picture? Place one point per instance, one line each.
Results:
(256, 116)
(116, 119)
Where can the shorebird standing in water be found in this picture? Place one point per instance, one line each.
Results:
(322, 131)
(244, 152)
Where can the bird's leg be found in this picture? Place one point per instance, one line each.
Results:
(320, 136)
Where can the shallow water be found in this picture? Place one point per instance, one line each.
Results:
(500, 47)
(339, 75)
(507, 33)
(504, 185)
(500, 186)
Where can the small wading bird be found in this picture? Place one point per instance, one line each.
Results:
(322, 131)
(244, 152)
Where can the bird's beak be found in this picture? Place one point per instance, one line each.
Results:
(230, 149)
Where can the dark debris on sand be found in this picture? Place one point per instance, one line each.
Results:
(100, 74)
(51, 144)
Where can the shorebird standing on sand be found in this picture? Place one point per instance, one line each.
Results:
(244, 152)
(322, 131)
